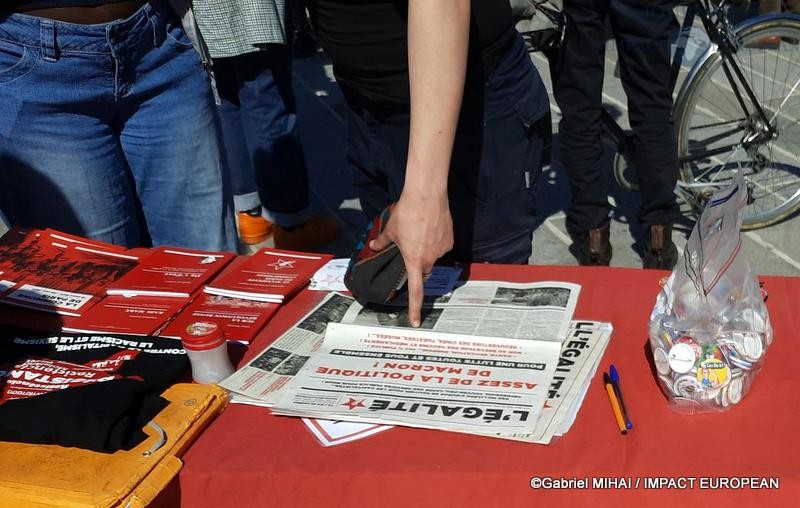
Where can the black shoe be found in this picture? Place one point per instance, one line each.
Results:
(595, 248)
(660, 252)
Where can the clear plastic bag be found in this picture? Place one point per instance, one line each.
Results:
(710, 330)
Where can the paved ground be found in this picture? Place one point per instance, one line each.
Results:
(773, 250)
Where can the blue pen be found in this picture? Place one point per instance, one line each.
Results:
(614, 375)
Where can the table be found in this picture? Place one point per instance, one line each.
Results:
(251, 458)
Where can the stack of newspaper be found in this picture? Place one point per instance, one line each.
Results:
(491, 358)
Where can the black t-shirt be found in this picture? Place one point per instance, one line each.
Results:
(367, 41)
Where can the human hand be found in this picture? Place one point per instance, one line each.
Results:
(422, 228)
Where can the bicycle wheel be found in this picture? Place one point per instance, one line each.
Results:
(717, 136)
(624, 172)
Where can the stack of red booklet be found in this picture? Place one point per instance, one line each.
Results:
(269, 275)
(138, 315)
(171, 272)
(239, 319)
(54, 272)
(93, 287)
(144, 300)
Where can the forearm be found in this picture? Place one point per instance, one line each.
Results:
(438, 38)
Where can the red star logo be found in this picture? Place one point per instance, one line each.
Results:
(353, 403)
(282, 263)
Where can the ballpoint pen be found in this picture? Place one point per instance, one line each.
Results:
(614, 375)
(612, 397)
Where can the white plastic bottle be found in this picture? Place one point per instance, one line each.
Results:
(205, 345)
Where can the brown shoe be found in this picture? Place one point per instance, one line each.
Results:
(308, 237)
(596, 251)
(253, 228)
(660, 252)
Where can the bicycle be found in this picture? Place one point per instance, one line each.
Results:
(728, 116)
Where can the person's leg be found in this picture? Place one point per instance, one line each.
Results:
(643, 36)
(578, 88)
(269, 119)
(234, 140)
(377, 179)
(170, 134)
(496, 159)
(61, 165)
(252, 227)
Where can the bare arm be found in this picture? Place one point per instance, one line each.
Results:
(438, 38)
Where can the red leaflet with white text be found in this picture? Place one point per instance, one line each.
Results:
(138, 315)
(240, 319)
(171, 272)
(58, 278)
(268, 275)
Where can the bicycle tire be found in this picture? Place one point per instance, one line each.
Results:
(752, 33)
(622, 166)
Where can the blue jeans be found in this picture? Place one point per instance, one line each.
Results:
(497, 155)
(110, 131)
(262, 145)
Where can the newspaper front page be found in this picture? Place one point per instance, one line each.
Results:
(422, 378)
(540, 311)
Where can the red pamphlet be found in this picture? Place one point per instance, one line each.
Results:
(137, 315)
(239, 319)
(269, 275)
(56, 278)
(171, 272)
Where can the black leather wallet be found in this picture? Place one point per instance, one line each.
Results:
(376, 276)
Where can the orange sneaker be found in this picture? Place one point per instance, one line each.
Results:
(308, 237)
(253, 229)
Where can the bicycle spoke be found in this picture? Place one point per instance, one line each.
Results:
(717, 139)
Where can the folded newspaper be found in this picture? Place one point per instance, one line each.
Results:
(540, 310)
(422, 378)
(543, 377)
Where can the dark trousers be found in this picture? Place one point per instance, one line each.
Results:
(259, 126)
(642, 31)
(496, 158)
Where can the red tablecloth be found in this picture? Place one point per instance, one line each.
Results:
(251, 458)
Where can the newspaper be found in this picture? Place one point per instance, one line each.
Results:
(422, 378)
(540, 311)
(260, 380)
(578, 361)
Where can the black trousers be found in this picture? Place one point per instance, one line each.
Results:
(642, 29)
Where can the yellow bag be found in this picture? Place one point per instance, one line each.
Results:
(53, 476)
